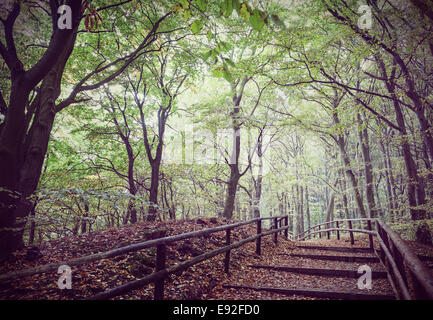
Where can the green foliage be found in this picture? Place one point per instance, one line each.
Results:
(407, 228)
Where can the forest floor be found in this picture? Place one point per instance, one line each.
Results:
(202, 281)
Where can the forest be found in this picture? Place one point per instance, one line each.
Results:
(114, 113)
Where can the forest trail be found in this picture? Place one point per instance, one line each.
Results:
(283, 269)
(319, 269)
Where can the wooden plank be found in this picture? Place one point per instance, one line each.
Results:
(338, 249)
(322, 272)
(360, 259)
(317, 293)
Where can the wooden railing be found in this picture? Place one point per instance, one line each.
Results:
(399, 260)
(279, 225)
(328, 229)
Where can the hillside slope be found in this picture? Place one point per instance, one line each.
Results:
(99, 276)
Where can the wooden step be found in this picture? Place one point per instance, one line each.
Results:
(361, 259)
(338, 249)
(322, 272)
(317, 293)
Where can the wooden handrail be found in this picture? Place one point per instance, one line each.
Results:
(397, 273)
(341, 230)
(162, 274)
(423, 280)
(394, 255)
(126, 249)
(161, 243)
(333, 221)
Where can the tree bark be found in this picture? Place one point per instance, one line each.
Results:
(307, 203)
(368, 168)
(258, 184)
(21, 156)
(234, 161)
(352, 178)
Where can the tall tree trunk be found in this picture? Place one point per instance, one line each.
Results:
(330, 209)
(22, 154)
(351, 176)
(416, 192)
(307, 203)
(258, 184)
(34, 148)
(231, 192)
(368, 168)
(343, 188)
(391, 208)
(153, 195)
(234, 161)
(301, 209)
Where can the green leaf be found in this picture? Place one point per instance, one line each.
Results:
(187, 14)
(257, 20)
(224, 46)
(196, 26)
(244, 11)
(201, 4)
(237, 6)
(218, 72)
(207, 55)
(227, 8)
(177, 8)
(184, 3)
(227, 75)
(209, 35)
(230, 62)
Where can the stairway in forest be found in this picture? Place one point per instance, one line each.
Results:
(317, 270)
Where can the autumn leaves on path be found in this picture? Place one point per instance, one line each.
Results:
(287, 270)
(324, 269)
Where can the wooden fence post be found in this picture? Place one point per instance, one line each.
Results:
(276, 233)
(370, 237)
(259, 239)
(420, 294)
(352, 239)
(161, 251)
(338, 231)
(327, 227)
(320, 234)
(286, 223)
(227, 259)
